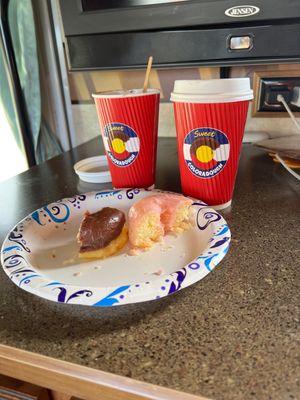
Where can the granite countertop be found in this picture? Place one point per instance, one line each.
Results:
(231, 336)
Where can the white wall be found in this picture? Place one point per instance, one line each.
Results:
(86, 123)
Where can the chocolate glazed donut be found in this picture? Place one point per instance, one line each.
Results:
(99, 229)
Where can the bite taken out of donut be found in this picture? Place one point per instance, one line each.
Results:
(152, 217)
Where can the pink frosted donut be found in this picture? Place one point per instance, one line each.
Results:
(152, 217)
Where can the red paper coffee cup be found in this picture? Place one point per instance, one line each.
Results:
(210, 118)
(128, 122)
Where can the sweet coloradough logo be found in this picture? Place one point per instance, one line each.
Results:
(121, 144)
(206, 151)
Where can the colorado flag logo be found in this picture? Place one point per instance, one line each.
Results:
(206, 151)
(121, 143)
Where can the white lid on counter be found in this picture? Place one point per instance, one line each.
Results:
(93, 170)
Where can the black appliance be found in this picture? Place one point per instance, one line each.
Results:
(106, 34)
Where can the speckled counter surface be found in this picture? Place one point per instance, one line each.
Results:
(231, 336)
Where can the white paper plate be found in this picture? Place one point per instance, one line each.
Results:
(40, 254)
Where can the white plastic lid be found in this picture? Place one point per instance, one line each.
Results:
(93, 170)
(212, 90)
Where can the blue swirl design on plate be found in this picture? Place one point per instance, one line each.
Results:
(28, 279)
(77, 200)
(17, 237)
(57, 212)
(194, 265)
(53, 283)
(107, 193)
(110, 300)
(79, 197)
(130, 193)
(209, 216)
(220, 242)
(200, 204)
(208, 261)
(226, 249)
(175, 286)
(14, 261)
(18, 268)
(10, 248)
(20, 271)
(62, 296)
(224, 230)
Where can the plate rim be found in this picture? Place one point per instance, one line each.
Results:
(208, 259)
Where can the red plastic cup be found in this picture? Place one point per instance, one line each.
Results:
(128, 122)
(210, 118)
